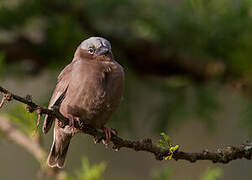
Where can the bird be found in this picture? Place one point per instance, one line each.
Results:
(88, 90)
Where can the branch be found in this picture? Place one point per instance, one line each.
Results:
(32, 106)
(223, 155)
(10, 132)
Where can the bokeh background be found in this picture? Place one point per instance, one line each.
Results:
(188, 73)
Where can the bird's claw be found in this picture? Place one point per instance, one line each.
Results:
(80, 123)
(105, 143)
(108, 133)
(98, 139)
(74, 123)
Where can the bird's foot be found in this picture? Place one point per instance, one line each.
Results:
(80, 123)
(108, 132)
(72, 120)
(98, 139)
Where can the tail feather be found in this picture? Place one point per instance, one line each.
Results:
(58, 151)
(57, 159)
(47, 123)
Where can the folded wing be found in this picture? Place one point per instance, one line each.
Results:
(58, 94)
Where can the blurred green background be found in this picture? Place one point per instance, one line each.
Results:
(188, 73)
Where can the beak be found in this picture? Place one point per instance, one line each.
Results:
(102, 51)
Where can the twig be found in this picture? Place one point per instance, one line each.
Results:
(6, 97)
(33, 106)
(10, 132)
(223, 155)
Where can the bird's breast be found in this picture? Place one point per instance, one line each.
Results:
(94, 92)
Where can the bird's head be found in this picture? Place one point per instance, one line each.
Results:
(97, 46)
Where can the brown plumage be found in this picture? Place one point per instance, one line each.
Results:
(89, 89)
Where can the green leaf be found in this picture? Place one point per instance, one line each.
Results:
(163, 174)
(211, 174)
(165, 142)
(88, 172)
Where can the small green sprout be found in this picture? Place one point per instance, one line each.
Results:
(172, 150)
(165, 144)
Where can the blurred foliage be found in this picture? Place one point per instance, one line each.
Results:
(2, 63)
(246, 115)
(174, 101)
(171, 109)
(166, 174)
(88, 172)
(212, 174)
(206, 105)
(161, 174)
(24, 120)
(217, 29)
(207, 29)
(198, 28)
(210, 30)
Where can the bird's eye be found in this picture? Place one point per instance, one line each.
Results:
(91, 50)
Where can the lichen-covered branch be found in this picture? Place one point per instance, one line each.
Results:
(221, 155)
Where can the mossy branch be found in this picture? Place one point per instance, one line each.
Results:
(221, 155)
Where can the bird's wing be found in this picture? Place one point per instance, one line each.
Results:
(58, 94)
(62, 83)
